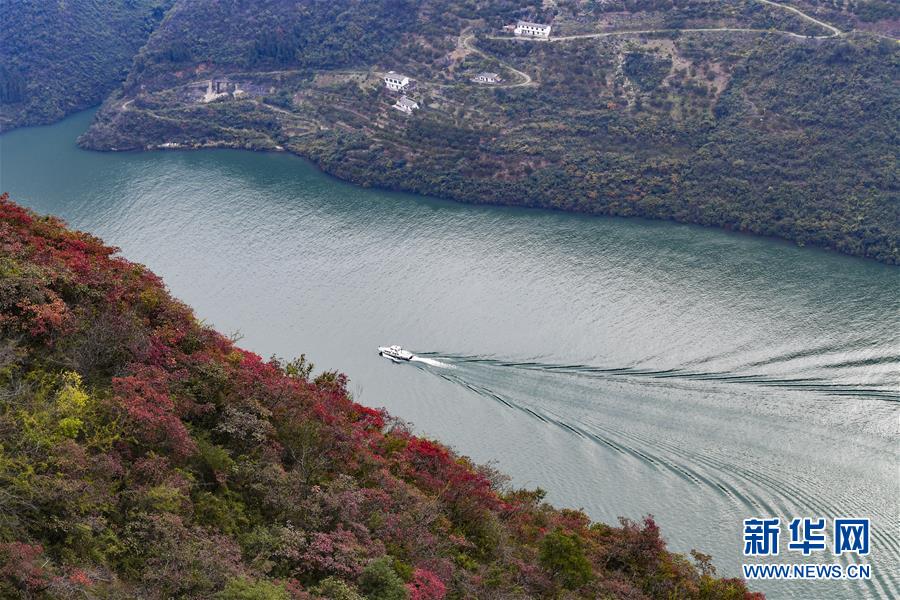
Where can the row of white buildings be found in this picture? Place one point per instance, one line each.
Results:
(397, 82)
(400, 83)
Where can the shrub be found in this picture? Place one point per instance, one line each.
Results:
(379, 581)
(425, 585)
(563, 556)
(241, 588)
(335, 589)
(22, 568)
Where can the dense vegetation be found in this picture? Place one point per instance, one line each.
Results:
(787, 129)
(144, 455)
(60, 57)
(880, 16)
(791, 136)
(270, 34)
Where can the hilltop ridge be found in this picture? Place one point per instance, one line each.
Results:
(776, 118)
(751, 115)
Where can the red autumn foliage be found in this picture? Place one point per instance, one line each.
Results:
(45, 317)
(79, 577)
(201, 464)
(21, 565)
(425, 585)
(150, 411)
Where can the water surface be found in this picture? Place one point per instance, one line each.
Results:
(628, 367)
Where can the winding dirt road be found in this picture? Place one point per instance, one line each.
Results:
(832, 30)
(465, 42)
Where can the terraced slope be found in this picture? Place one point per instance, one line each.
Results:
(752, 115)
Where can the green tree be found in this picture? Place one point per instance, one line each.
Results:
(335, 589)
(379, 581)
(562, 555)
(241, 588)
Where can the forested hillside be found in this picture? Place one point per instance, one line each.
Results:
(775, 118)
(60, 57)
(143, 455)
(750, 115)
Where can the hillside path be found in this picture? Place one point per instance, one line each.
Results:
(465, 42)
(833, 31)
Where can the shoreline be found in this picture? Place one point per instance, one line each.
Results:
(400, 188)
(397, 185)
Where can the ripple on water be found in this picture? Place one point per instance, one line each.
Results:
(628, 367)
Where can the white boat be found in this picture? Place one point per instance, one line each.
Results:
(396, 353)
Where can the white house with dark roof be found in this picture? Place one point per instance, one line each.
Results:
(529, 29)
(406, 105)
(396, 82)
(486, 77)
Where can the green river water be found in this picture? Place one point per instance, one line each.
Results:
(628, 367)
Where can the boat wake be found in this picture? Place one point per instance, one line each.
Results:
(431, 362)
(886, 391)
(755, 442)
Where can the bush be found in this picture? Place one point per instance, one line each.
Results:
(335, 589)
(246, 589)
(563, 556)
(425, 585)
(379, 581)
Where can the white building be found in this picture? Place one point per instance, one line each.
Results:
(396, 82)
(528, 29)
(487, 78)
(406, 105)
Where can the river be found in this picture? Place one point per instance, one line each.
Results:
(628, 367)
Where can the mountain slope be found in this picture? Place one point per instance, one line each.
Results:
(60, 57)
(143, 455)
(748, 114)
